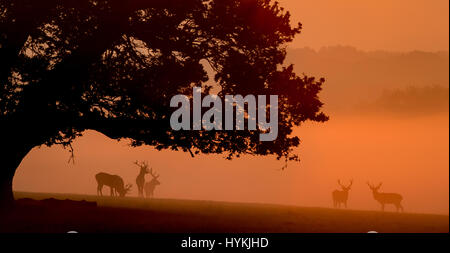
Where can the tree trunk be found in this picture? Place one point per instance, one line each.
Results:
(10, 158)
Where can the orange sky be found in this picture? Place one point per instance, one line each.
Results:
(394, 25)
(410, 155)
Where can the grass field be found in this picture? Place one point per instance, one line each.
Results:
(129, 215)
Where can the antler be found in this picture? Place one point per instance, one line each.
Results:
(143, 164)
(153, 175)
(369, 185)
(343, 186)
(351, 183)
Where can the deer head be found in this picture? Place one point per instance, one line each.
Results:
(374, 188)
(346, 188)
(155, 177)
(125, 190)
(143, 166)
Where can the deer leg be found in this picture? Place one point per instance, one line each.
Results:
(99, 190)
(382, 207)
(112, 191)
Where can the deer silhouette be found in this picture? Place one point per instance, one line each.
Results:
(386, 198)
(150, 186)
(114, 182)
(140, 179)
(341, 196)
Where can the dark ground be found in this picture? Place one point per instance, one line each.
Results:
(43, 213)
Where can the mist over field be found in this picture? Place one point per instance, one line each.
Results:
(357, 80)
(389, 123)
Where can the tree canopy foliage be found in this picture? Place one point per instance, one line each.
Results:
(112, 66)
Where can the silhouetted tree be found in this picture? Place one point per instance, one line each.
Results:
(112, 66)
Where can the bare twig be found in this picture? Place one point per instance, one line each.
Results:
(72, 155)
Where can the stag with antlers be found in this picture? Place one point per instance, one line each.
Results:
(386, 198)
(140, 179)
(341, 196)
(150, 186)
(114, 182)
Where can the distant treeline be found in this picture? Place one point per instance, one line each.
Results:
(411, 101)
